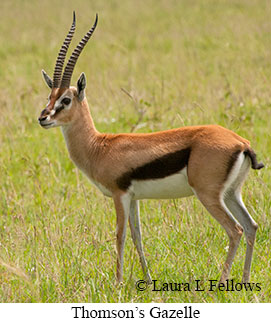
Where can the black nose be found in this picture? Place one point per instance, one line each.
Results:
(43, 115)
(42, 118)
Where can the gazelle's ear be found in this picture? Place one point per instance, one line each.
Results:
(47, 79)
(81, 85)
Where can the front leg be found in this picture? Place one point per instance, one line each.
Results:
(134, 221)
(122, 204)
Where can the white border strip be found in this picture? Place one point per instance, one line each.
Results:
(158, 312)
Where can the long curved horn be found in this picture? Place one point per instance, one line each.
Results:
(66, 78)
(62, 54)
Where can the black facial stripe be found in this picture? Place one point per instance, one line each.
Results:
(161, 167)
(59, 108)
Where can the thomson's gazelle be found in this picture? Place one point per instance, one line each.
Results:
(208, 161)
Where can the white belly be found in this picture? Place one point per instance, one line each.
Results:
(174, 186)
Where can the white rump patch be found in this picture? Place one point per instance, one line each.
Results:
(234, 180)
(237, 173)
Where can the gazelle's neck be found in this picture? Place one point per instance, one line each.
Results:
(81, 137)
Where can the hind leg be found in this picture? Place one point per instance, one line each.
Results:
(233, 201)
(219, 190)
(217, 208)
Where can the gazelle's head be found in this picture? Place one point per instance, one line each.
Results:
(64, 99)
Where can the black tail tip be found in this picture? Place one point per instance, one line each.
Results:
(254, 163)
(258, 166)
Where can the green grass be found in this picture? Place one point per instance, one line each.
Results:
(185, 63)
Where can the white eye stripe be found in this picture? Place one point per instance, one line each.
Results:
(59, 101)
(52, 112)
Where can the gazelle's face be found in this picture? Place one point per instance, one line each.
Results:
(60, 108)
(63, 104)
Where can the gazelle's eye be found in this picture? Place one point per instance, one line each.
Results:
(66, 101)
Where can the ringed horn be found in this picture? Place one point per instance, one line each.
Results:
(62, 54)
(66, 78)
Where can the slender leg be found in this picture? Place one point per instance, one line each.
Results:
(219, 211)
(134, 221)
(122, 205)
(234, 202)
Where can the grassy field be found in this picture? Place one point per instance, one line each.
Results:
(184, 63)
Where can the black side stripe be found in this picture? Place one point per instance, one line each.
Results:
(161, 167)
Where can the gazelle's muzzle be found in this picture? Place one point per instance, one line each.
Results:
(45, 119)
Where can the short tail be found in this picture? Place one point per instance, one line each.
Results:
(254, 163)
